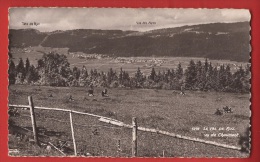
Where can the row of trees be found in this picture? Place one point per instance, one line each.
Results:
(54, 70)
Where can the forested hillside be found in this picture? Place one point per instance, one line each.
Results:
(229, 41)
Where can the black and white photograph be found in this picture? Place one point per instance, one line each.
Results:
(129, 82)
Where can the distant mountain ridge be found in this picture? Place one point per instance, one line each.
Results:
(228, 41)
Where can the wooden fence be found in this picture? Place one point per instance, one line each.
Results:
(134, 128)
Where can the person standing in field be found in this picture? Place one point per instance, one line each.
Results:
(182, 89)
(104, 93)
(91, 90)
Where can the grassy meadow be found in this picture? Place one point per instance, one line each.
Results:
(162, 109)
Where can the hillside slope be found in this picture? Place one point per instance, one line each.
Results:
(215, 41)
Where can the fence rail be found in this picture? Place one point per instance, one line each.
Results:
(114, 122)
(64, 110)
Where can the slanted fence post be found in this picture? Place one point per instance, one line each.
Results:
(118, 147)
(72, 133)
(34, 127)
(134, 133)
(163, 153)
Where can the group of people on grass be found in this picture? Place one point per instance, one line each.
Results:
(104, 92)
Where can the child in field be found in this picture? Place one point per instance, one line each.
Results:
(182, 90)
(91, 91)
(104, 93)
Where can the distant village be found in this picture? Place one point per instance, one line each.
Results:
(149, 62)
(87, 56)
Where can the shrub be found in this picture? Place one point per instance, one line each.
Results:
(244, 141)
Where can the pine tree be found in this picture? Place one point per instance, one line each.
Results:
(159, 77)
(120, 77)
(138, 78)
(221, 78)
(126, 79)
(27, 66)
(246, 79)
(95, 73)
(169, 76)
(103, 79)
(11, 72)
(10, 55)
(20, 66)
(205, 76)
(209, 78)
(228, 78)
(94, 77)
(20, 70)
(40, 64)
(199, 76)
(111, 76)
(73, 79)
(179, 72)
(152, 76)
(75, 73)
(190, 74)
(215, 82)
(164, 77)
(206, 65)
(248, 69)
(10, 46)
(32, 75)
(177, 77)
(237, 83)
(91, 72)
(83, 76)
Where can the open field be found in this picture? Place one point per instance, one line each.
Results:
(129, 64)
(161, 109)
(27, 149)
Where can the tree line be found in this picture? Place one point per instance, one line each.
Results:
(54, 70)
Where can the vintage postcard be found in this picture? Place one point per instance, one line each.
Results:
(121, 82)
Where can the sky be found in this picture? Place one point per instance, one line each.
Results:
(51, 19)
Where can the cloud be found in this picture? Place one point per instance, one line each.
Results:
(51, 19)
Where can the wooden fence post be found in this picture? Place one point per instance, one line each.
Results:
(118, 148)
(134, 142)
(72, 133)
(163, 153)
(34, 127)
